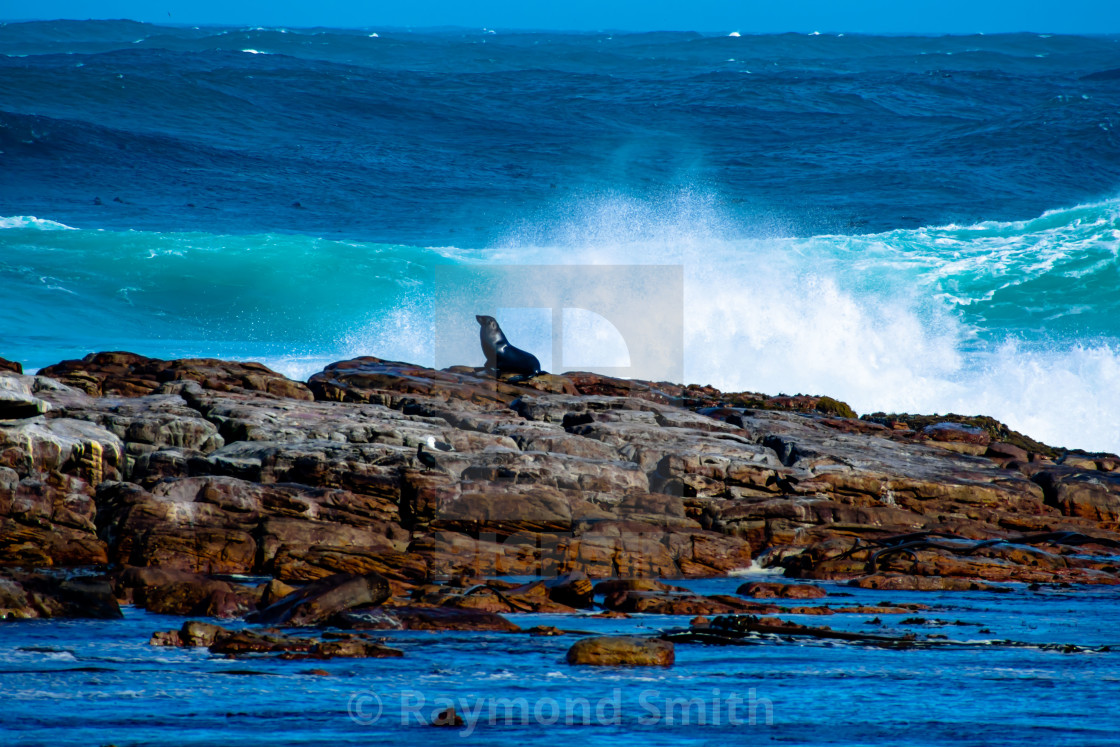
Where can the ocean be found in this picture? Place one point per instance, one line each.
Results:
(906, 223)
(99, 682)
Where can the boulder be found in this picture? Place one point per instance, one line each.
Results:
(423, 618)
(326, 598)
(353, 649)
(16, 398)
(625, 651)
(172, 592)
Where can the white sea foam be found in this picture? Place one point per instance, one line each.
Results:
(30, 221)
(861, 318)
(757, 569)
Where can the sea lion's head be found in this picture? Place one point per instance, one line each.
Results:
(490, 326)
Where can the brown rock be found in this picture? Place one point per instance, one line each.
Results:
(767, 590)
(17, 396)
(614, 585)
(240, 642)
(423, 618)
(621, 651)
(1092, 495)
(165, 638)
(903, 582)
(172, 592)
(196, 633)
(27, 596)
(447, 717)
(354, 649)
(275, 590)
(12, 366)
(323, 599)
(134, 375)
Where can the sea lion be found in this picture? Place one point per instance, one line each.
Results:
(500, 355)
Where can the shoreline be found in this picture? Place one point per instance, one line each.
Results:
(168, 479)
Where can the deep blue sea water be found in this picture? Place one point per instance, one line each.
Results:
(97, 682)
(921, 224)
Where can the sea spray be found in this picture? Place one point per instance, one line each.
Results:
(903, 321)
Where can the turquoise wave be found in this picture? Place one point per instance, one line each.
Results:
(1019, 320)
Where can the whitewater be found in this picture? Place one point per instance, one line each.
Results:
(984, 319)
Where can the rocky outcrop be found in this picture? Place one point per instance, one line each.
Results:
(212, 468)
(134, 375)
(234, 643)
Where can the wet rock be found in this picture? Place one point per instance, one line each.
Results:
(447, 717)
(423, 618)
(241, 642)
(326, 598)
(686, 603)
(766, 590)
(28, 596)
(572, 590)
(531, 597)
(275, 590)
(624, 651)
(172, 592)
(203, 634)
(615, 585)
(905, 582)
(354, 649)
(165, 638)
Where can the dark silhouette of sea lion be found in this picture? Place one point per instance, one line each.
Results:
(502, 357)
